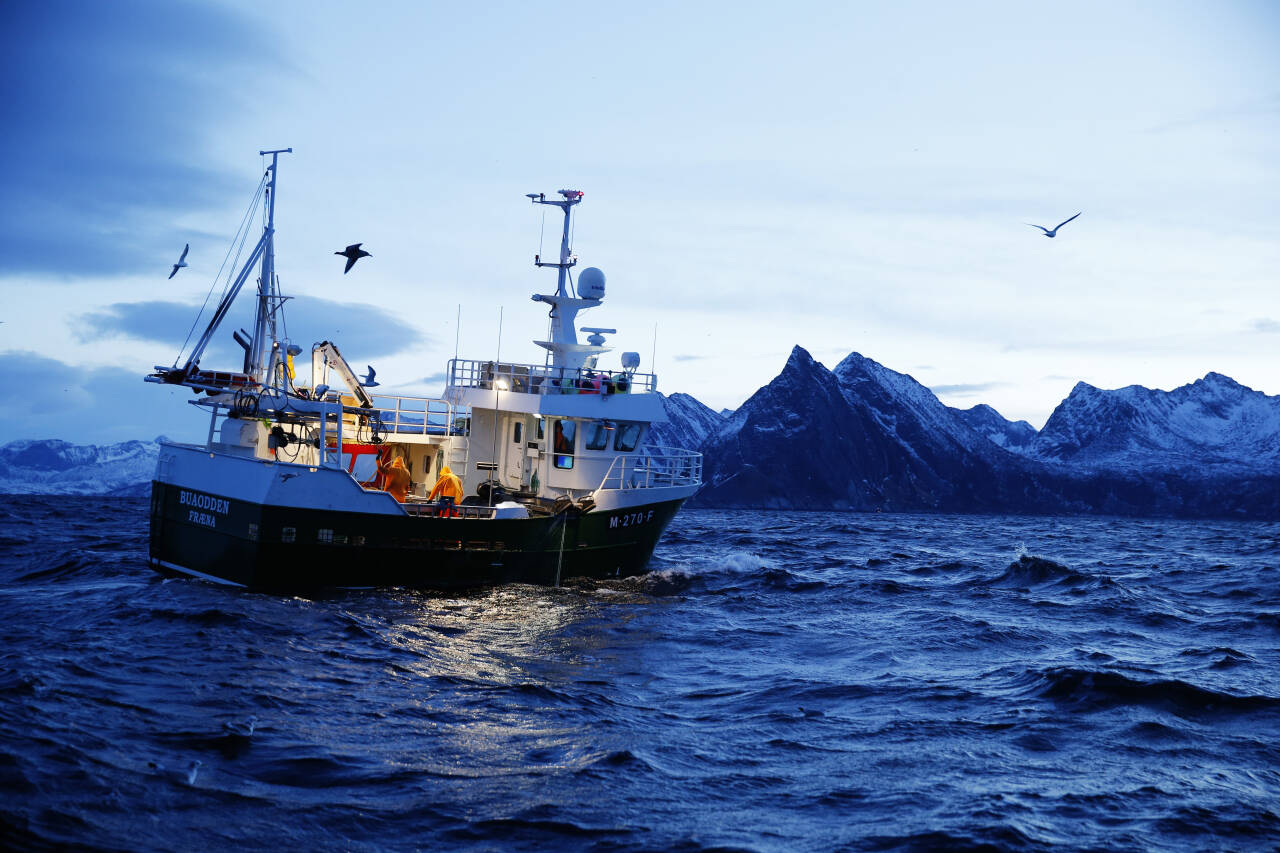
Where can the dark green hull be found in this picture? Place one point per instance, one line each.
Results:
(289, 548)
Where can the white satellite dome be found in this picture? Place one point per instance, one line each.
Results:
(591, 283)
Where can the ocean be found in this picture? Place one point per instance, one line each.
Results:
(780, 681)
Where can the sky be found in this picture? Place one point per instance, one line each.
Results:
(848, 177)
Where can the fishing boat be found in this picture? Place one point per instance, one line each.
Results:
(307, 478)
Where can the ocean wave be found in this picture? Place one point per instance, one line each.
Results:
(781, 579)
(1029, 572)
(986, 840)
(1231, 820)
(64, 567)
(1098, 690)
(206, 617)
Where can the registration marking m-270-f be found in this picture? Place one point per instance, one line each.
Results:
(630, 519)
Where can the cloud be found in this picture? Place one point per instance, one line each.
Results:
(106, 107)
(966, 390)
(1265, 324)
(362, 332)
(687, 357)
(433, 379)
(92, 405)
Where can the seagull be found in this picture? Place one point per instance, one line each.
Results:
(182, 261)
(188, 775)
(1054, 232)
(368, 380)
(353, 253)
(235, 728)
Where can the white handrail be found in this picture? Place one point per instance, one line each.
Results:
(653, 467)
(415, 415)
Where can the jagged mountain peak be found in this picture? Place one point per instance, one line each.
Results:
(801, 378)
(1213, 378)
(856, 367)
(861, 435)
(986, 421)
(989, 412)
(1214, 421)
(905, 406)
(800, 358)
(689, 422)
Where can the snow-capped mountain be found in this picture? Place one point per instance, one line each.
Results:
(860, 437)
(866, 437)
(1212, 423)
(907, 408)
(1011, 435)
(688, 423)
(59, 467)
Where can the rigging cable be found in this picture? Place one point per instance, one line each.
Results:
(241, 233)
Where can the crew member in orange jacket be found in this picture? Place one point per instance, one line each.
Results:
(447, 486)
(395, 477)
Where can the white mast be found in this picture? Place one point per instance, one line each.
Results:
(565, 350)
(262, 348)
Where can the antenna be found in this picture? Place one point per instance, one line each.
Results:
(497, 388)
(567, 260)
(653, 356)
(457, 332)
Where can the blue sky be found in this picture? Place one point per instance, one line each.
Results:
(847, 177)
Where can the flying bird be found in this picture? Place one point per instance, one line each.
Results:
(1054, 232)
(368, 380)
(353, 253)
(182, 261)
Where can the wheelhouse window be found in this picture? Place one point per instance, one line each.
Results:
(563, 434)
(597, 437)
(626, 437)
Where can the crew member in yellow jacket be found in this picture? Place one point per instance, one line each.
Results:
(447, 486)
(395, 477)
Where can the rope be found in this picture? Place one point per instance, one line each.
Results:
(564, 522)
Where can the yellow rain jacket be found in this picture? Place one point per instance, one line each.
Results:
(447, 486)
(396, 477)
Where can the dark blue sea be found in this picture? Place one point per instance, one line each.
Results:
(779, 682)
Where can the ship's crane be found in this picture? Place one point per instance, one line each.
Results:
(324, 356)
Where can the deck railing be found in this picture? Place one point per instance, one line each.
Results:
(654, 467)
(543, 379)
(418, 415)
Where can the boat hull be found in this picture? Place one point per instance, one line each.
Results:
(274, 547)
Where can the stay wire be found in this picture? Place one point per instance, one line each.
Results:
(242, 233)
